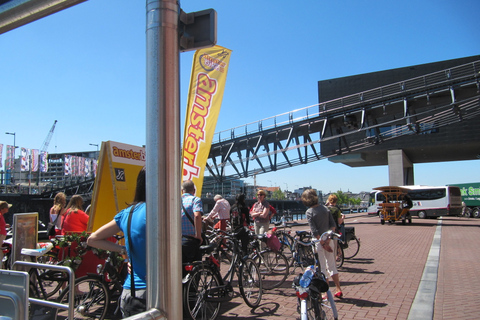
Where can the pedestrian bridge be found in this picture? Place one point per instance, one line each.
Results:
(430, 118)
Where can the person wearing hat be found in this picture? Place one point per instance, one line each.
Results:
(4, 206)
(260, 213)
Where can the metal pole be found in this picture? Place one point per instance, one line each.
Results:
(14, 149)
(163, 159)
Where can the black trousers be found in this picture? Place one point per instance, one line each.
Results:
(190, 249)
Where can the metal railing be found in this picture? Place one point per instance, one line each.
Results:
(424, 85)
(71, 282)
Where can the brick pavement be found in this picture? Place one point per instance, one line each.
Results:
(381, 282)
(458, 277)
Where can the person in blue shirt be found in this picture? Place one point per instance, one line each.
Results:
(138, 258)
(191, 224)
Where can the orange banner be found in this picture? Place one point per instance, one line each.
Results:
(207, 84)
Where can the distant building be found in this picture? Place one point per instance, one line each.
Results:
(63, 169)
(228, 188)
(298, 193)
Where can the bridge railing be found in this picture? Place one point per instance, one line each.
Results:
(268, 123)
(426, 84)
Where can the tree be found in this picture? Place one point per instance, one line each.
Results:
(356, 201)
(278, 194)
(344, 199)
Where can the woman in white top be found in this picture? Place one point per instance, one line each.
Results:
(59, 203)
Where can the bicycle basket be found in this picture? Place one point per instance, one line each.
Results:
(273, 242)
(349, 233)
(319, 285)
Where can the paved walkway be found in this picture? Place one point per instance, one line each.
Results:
(389, 274)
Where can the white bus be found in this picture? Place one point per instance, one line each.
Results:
(427, 201)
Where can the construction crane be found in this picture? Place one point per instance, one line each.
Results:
(48, 138)
(44, 149)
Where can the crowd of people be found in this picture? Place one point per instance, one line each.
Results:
(70, 218)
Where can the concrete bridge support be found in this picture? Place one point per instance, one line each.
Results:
(400, 168)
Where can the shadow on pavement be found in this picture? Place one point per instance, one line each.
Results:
(362, 303)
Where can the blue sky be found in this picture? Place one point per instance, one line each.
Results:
(85, 67)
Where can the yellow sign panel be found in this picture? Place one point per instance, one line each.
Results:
(117, 171)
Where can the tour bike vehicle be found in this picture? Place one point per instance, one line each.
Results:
(427, 201)
(392, 209)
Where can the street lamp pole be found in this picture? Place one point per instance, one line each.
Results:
(95, 145)
(14, 145)
(14, 149)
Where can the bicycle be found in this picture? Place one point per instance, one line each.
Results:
(51, 280)
(94, 292)
(274, 266)
(311, 305)
(351, 245)
(286, 240)
(204, 288)
(7, 251)
(41, 286)
(302, 255)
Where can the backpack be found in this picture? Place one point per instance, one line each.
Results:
(273, 211)
(235, 216)
(336, 212)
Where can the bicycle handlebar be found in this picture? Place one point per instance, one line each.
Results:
(326, 235)
(329, 234)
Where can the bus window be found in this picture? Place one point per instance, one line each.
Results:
(427, 194)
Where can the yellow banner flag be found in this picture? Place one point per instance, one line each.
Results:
(207, 84)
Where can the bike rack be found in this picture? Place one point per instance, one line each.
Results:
(13, 294)
(71, 281)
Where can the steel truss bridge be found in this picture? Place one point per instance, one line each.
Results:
(359, 122)
(341, 127)
(83, 188)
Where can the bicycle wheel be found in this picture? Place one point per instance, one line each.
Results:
(352, 248)
(52, 280)
(196, 293)
(91, 299)
(306, 256)
(313, 307)
(38, 291)
(224, 255)
(339, 259)
(328, 309)
(45, 283)
(250, 283)
(273, 268)
(287, 244)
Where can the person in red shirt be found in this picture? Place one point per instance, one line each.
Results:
(75, 219)
(4, 206)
